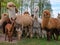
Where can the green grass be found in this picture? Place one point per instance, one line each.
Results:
(33, 42)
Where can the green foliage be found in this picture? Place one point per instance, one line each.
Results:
(3, 5)
(44, 4)
(17, 3)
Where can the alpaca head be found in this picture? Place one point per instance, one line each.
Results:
(46, 14)
(32, 15)
(45, 18)
(12, 10)
(4, 16)
(12, 6)
(58, 16)
(36, 18)
(26, 12)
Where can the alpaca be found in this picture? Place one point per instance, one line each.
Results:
(23, 20)
(3, 20)
(12, 10)
(38, 21)
(58, 28)
(9, 30)
(42, 32)
(19, 32)
(36, 27)
(48, 23)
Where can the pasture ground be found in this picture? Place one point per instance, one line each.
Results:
(27, 41)
(32, 42)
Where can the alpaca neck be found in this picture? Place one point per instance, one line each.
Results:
(45, 22)
(12, 27)
(12, 24)
(11, 13)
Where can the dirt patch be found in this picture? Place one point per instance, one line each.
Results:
(2, 39)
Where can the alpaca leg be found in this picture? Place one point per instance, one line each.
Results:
(37, 31)
(40, 33)
(43, 33)
(6, 32)
(27, 32)
(31, 32)
(57, 34)
(4, 23)
(53, 34)
(5, 36)
(19, 35)
(48, 35)
(9, 38)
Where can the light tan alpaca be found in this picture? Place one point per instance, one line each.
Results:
(4, 16)
(48, 23)
(23, 20)
(3, 20)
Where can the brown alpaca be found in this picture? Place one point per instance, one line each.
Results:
(9, 30)
(48, 23)
(58, 28)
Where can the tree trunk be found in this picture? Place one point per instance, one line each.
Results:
(0, 9)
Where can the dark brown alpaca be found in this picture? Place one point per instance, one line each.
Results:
(9, 30)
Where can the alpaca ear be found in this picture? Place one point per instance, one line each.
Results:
(11, 18)
(16, 10)
(15, 18)
(7, 8)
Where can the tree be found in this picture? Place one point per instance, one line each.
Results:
(0, 7)
(4, 4)
(44, 4)
(32, 6)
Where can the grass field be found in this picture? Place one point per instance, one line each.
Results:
(32, 42)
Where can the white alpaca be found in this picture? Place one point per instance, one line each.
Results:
(42, 32)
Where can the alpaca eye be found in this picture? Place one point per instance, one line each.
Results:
(10, 5)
